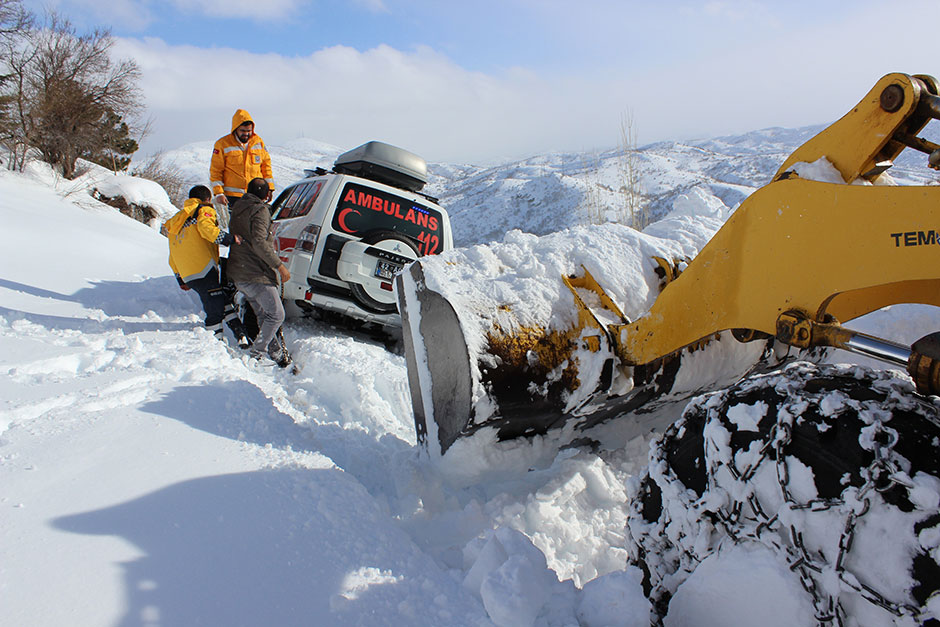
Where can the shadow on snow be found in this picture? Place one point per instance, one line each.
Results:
(269, 547)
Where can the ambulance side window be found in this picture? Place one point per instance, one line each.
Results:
(278, 202)
(288, 200)
(305, 200)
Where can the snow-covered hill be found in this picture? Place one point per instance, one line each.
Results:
(149, 475)
(548, 193)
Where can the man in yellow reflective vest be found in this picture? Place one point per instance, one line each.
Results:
(194, 236)
(236, 159)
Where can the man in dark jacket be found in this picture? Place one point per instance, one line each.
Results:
(255, 266)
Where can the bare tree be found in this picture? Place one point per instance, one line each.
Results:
(169, 175)
(15, 23)
(596, 212)
(69, 92)
(14, 18)
(635, 209)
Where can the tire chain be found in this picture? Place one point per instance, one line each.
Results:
(880, 475)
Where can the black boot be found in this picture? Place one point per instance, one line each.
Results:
(235, 325)
(278, 351)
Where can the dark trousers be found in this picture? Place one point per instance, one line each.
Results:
(212, 296)
(247, 317)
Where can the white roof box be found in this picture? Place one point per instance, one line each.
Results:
(384, 163)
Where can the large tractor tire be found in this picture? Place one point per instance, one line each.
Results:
(835, 469)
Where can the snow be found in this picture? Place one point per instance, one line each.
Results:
(774, 592)
(151, 476)
(136, 190)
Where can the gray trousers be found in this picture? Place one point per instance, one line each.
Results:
(266, 302)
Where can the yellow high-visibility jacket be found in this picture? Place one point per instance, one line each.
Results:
(194, 236)
(233, 164)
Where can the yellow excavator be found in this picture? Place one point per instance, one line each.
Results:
(794, 261)
(771, 442)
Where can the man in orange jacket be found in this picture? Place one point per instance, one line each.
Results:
(236, 159)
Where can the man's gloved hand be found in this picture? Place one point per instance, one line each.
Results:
(183, 286)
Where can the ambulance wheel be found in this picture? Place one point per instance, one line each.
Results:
(371, 298)
(835, 469)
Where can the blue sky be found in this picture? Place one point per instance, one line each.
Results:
(489, 80)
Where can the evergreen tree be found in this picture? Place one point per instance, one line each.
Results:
(115, 145)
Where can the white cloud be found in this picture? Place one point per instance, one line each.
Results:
(266, 10)
(137, 15)
(131, 14)
(426, 102)
(374, 6)
(420, 100)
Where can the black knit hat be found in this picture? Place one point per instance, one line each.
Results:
(201, 192)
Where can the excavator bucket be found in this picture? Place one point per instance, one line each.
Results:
(561, 335)
(434, 344)
(476, 367)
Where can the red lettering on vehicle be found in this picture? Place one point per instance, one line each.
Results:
(432, 223)
(422, 219)
(410, 216)
(350, 196)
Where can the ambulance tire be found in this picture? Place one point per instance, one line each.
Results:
(359, 293)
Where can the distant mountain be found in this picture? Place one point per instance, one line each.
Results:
(549, 193)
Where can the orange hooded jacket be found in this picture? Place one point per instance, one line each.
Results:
(234, 164)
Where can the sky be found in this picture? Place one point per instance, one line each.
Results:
(494, 80)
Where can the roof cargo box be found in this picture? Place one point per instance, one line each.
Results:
(384, 163)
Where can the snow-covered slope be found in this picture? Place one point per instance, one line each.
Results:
(150, 476)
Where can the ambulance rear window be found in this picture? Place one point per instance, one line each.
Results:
(362, 209)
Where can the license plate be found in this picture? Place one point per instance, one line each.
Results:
(386, 270)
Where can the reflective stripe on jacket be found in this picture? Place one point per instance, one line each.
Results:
(233, 164)
(194, 237)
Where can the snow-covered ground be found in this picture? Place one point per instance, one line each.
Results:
(149, 476)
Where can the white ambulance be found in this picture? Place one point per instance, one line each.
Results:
(345, 234)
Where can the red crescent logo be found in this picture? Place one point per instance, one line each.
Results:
(342, 219)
